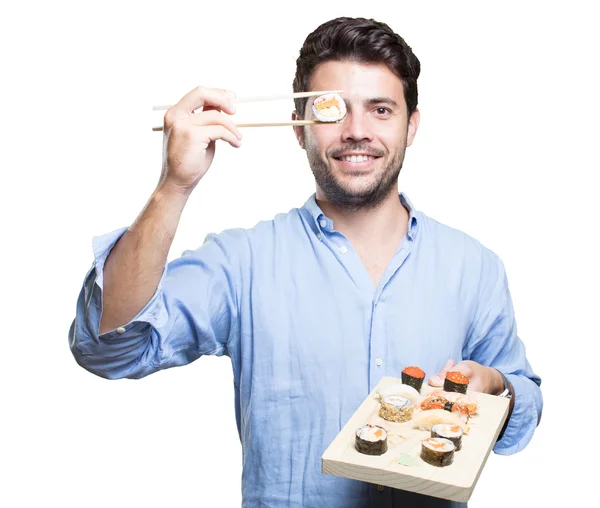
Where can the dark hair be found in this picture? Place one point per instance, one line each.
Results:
(360, 40)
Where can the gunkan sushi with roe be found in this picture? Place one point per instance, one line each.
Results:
(413, 376)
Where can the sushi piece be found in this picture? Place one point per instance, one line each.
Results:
(436, 400)
(413, 376)
(471, 404)
(437, 451)
(452, 432)
(408, 392)
(396, 408)
(456, 382)
(425, 420)
(371, 440)
(329, 107)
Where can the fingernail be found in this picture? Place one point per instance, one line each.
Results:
(231, 94)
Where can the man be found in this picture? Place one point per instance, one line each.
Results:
(317, 305)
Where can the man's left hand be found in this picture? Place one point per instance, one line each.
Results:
(481, 378)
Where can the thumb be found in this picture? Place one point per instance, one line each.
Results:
(438, 380)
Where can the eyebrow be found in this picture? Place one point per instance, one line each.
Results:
(376, 100)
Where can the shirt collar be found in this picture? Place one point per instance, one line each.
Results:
(320, 222)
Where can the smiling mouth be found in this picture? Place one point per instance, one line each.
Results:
(356, 158)
(356, 161)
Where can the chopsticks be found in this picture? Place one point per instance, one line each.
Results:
(264, 98)
(269, 124)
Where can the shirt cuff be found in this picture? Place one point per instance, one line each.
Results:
(154, 313)
(524, 418)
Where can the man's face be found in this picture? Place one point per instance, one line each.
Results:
(376, 128)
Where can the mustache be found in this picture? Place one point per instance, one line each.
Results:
(356, 147)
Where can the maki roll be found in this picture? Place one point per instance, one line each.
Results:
(437, 451)
(456, 382)
(451, 432)
(371, 440)
(413, 376)
(329, 107)
(396, 408)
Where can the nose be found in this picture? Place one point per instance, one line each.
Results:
(356, 127)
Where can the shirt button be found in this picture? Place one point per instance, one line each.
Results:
(323, 223)
(379, 362)
(380, 488)
(343, 249)
(319, 236)
(120, 329)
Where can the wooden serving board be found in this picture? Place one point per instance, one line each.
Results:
(454, 482)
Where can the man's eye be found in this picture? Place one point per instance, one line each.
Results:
(382, 111)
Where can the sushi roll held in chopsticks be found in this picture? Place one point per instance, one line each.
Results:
(371, 440)
(437, 451)
(413, 376)
(451, 432)
(456, 382)
(329, 107)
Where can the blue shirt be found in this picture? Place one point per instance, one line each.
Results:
(309, 337)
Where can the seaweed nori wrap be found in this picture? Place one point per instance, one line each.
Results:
(451, 432)
(437, 451)
(456, 382)
(371, 440)
(413, 376)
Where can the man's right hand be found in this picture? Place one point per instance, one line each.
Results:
(189, 138)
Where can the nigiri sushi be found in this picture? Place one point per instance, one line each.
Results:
(424, 420)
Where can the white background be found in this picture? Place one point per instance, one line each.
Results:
(506, 151)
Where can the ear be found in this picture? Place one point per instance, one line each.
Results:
(298, 130)
(413, 126)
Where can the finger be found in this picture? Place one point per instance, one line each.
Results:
(464, 368)
(449, 364)
(215, 132)
(203, 96)
(215, 118)
(198, 98)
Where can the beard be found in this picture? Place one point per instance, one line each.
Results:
(342, 195)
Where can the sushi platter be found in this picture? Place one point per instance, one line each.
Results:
(419, 438)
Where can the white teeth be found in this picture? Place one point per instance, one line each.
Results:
(357, 158)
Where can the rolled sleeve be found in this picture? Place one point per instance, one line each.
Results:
(192, 313)
(525, 416)
(493, 342)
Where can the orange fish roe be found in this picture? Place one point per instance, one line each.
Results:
(414, 372)
(457, 377)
